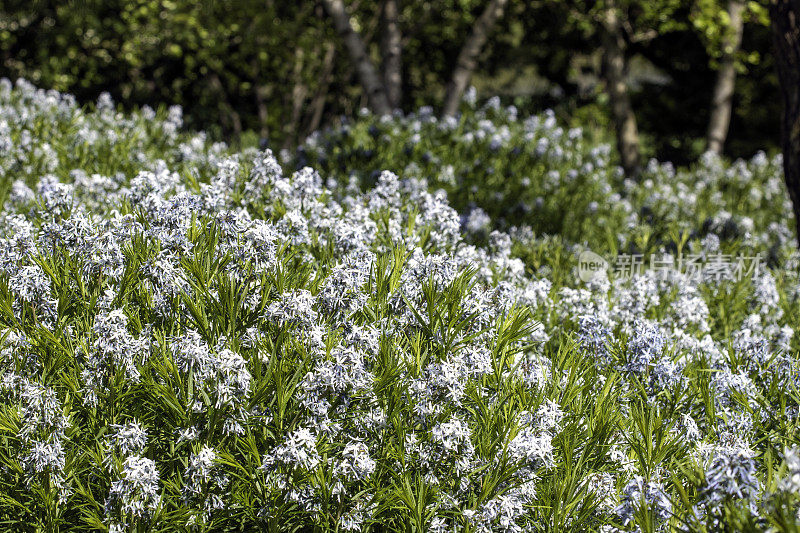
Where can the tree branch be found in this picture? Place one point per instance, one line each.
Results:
(357, 50)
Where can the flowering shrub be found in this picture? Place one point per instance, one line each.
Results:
(501, 170)
(194, 339)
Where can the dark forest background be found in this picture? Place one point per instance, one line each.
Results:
(273, 71)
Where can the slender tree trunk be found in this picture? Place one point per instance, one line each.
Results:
(318, 103)
(785, 16)
(391, 52)
(260, 95)
(228, 113)
(615, 73)
(261, 92)
(299, 92)
(367, 74)
(467, 60)
(722, 102)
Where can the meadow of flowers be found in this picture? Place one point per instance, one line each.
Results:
(200, 340)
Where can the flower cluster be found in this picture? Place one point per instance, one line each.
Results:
(195, 338)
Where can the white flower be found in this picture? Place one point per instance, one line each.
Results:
(356, 464)
(137, 492)
(129, 439)
(300, 449)
(791, 482)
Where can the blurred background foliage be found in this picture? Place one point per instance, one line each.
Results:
(270, 72)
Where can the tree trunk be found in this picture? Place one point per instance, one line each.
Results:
(467, 60)
(722, 102)
(391, 52)
(367, 75)
(299, 92)
(260, 93)
(228, 114)
(318, 103)
(615, 73)
(785, 16)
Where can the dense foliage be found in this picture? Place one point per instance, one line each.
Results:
(195, 339)
(277, 70)
(503, 170)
